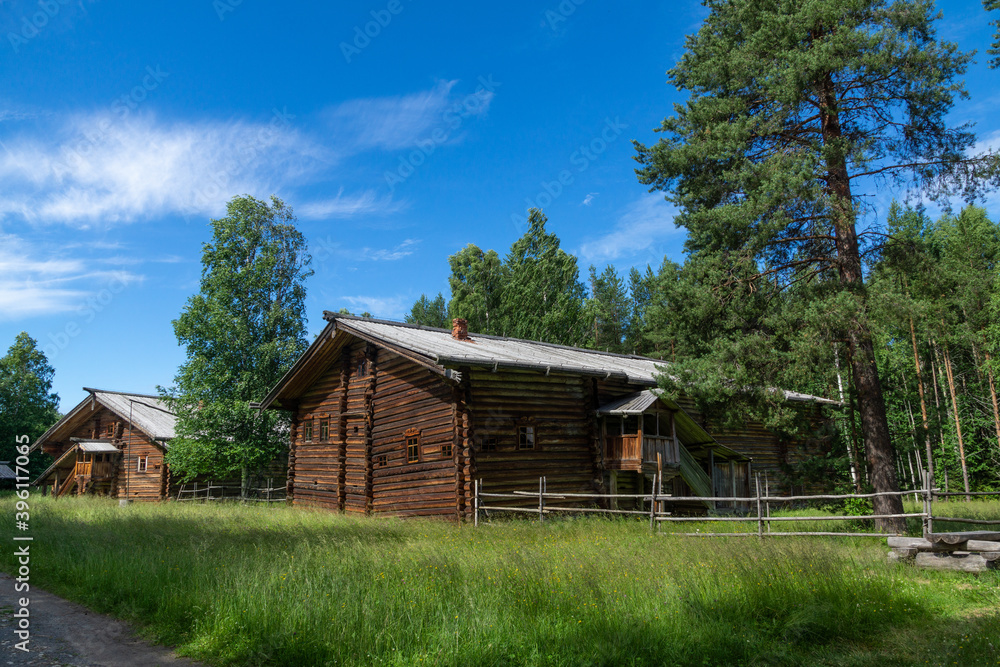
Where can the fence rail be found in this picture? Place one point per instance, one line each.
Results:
(204, 493)
(758, 507)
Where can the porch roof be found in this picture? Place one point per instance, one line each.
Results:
(98, 447)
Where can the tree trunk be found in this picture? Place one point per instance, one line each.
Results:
(958, 422)
(850, 450)
(923, 403)
(871, 403)
(244, 483)
(993, 396)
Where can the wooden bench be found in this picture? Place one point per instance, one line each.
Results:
(974, 551)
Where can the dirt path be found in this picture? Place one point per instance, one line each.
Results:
(64, 633)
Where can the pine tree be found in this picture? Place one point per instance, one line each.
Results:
(792, 104)
(429, 313)
(241, 332)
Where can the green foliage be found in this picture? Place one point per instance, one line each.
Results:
(994, 5)
(430, 313)
(28, 405)
(534, 293)
(241, 332)
(239, 585)
(609, 311)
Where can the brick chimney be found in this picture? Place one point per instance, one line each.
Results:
(460, 329)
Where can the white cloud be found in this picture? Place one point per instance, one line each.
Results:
(327, 247)
(645, 222)
(30, 286)
(589, 199)
(368, 202)
(103, 170)
(396, 122)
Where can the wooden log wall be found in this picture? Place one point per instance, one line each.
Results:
(558, 407)
(318, 466)
(413, 401)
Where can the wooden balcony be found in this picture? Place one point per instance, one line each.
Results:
(637, 453)
(96, 470)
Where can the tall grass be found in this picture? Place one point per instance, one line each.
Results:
(237, 585)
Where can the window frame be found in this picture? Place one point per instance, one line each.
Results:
(522, 432)
(142, 464)
(307, 430)
(411, 439)
(324, 430)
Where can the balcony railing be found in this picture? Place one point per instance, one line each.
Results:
(628, 452)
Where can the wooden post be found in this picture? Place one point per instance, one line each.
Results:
(767, 503)
(475, 502)
(541, 499)
(760, 517)
(652, 504)
(928, 502)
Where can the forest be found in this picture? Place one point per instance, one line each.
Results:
(934, 291)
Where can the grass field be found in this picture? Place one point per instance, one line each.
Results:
(237, 585)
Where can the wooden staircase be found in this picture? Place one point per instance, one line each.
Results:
(66, 486)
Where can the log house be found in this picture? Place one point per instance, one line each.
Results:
(404, 419)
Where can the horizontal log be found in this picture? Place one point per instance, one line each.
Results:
(957, 538)
(955, 563)
(926, 545)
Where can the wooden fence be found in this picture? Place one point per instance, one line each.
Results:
(758, 508)
(212, 492)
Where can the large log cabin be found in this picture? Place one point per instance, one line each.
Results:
(403, 419)
(112, 443)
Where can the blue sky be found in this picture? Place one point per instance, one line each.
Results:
(125, 127)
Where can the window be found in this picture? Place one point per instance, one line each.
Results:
(324, 430)
(489, 444)
(412, 446)
(381, 461)
(109, 430)
(142, 463)
(307, 430)
(446, 450)
(525, 437)
(363, 368)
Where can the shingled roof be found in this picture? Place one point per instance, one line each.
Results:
(438, 348)
(149, 414)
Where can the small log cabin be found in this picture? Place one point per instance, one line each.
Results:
(403, 419)
(112, 443)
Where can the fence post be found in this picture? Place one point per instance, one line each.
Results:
(928, 503)
(760, 517)
(652, 504)
(541, 499)
(767, 503)
(475, 503)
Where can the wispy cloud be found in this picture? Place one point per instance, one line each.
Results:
(589, 199)
(328, 247)
(397, 122)
(31, 286)
(102, 169)
(643, 224)
(349, 206)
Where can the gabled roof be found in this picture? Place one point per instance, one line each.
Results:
(6, 472)
(147, 413)
(436, 349)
